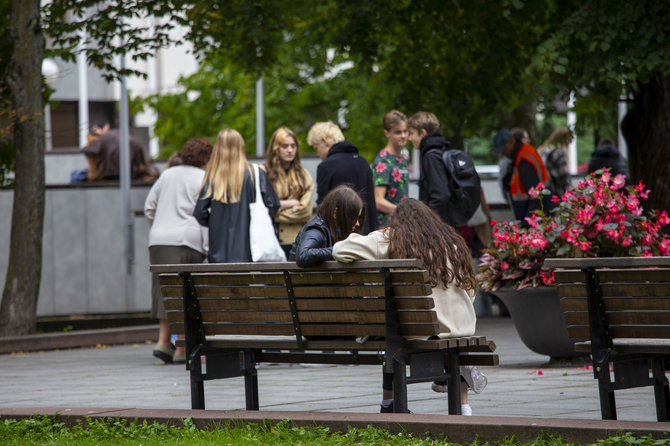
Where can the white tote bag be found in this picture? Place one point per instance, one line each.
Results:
(264, 244)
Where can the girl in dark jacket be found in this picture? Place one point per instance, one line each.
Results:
(227, 190)
(341, 213)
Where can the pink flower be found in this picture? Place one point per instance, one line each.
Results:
(664, 247)
(535, 192)
(391, 192)
(584, 246)
(619, 182)
(663, 218)
(380, 167)
(504, 266)
(397, 176)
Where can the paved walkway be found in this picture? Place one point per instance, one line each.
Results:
(128, 377)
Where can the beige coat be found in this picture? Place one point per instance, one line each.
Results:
(290, 221)
(455, 312)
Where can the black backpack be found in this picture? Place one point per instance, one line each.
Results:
(464, 184)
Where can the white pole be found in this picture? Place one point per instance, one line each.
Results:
(124, 174)
(260, 119)
(152, 70)
(83, 89)
(572, 148)
(623, 110)
(50, 72)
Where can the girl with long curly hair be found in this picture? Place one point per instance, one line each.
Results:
(292, 183)
(416, 231)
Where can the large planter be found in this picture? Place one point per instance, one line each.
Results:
(538, 318)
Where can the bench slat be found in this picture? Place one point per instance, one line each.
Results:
(618, 289)
(301, 292)
(418, 330)
(607, 262)
(631, 317)
(284, 266)
(264, 304)
(619, 303)
(615, 275)
(619, 331)
(354, 317)
(623, 345)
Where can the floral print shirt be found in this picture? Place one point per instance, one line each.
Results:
(393, 172)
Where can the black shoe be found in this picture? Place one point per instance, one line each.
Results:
(389, 409)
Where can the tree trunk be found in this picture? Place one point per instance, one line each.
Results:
(24, 78)
(646, 128)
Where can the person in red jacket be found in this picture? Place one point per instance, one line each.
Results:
(527, 171)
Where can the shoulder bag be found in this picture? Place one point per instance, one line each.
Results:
(264, 244)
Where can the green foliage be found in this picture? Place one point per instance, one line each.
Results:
(295, 96)
(45, 430)
(103, 22)
(628, 439)
(609, 42)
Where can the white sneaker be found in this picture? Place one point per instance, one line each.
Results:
(478, 380)
(466, 410)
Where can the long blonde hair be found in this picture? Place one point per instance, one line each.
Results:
(224, 175)
(290, 183)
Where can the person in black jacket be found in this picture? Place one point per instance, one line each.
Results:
(227, 190)
(607, 155)
(340, 213)
(424, 132)
(341, 164)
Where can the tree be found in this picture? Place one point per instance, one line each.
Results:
(24, 80)
(62, 21)
(629, 55)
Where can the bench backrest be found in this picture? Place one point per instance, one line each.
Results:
(281, 299)
(631, 295)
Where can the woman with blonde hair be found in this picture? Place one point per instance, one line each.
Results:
(416, 231)
(292, 183)
(226, 192)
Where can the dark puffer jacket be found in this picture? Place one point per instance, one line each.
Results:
(313, 245)
(608, 156)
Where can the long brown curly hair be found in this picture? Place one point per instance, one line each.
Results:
(416, 231)
(293, 181)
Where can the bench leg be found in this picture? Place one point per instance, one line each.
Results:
(251, 389)
(399, 386)
(197, 384)
(605, 390)
(661, 392)
(454, 383)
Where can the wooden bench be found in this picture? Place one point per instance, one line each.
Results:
(237, 315)
(622, 304)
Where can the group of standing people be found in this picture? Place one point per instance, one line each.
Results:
(522, 167)
(200, 209)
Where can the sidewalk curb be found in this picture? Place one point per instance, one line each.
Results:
(78, 339)
(457, 428)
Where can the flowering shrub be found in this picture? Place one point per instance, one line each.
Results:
(601, 217)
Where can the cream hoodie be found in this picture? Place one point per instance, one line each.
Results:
(453, 305)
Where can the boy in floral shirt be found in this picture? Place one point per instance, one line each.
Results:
(390, 169)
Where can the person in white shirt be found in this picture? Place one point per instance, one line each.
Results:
(416, 231)
(175, 235)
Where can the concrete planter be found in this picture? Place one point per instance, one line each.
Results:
(538, 318)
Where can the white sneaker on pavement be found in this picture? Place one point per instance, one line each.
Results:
(466, 410)
(479, 380)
